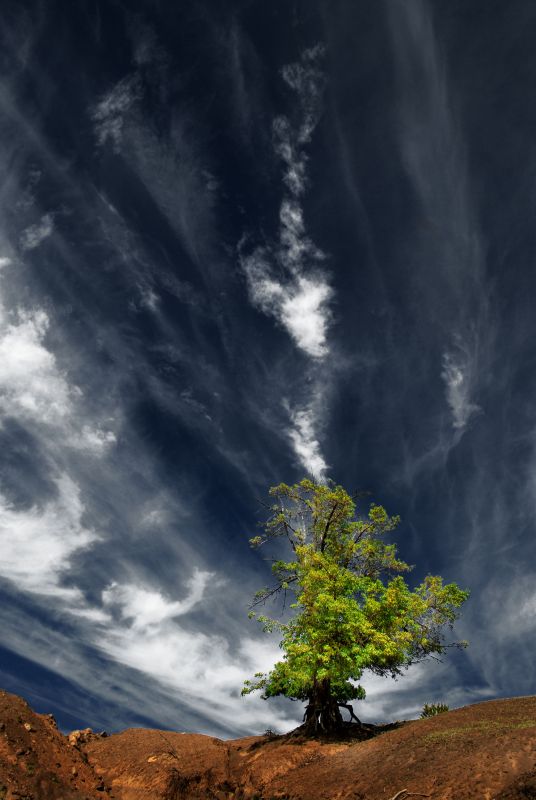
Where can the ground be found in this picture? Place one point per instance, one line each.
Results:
(485, 751)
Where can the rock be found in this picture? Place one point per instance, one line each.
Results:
(29, 727)
(77, 738)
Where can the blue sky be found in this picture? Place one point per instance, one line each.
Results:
(240, 244)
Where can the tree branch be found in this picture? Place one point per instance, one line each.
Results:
(270, 593)
(326, 529)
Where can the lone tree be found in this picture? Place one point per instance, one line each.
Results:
(353, 610)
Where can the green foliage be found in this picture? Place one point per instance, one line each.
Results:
(432, 709)
(353, 610)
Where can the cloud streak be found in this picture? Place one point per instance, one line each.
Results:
(458, 375)
(299, 305)
(454, 298)
(304, 439)
(34, 235)
(286, 279)
(196, 665)
(110, 112)
(38, 544)
(34, 389)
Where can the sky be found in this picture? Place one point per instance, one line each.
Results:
(243, 243)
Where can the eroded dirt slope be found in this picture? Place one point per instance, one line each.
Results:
(485, 751)
(474, 752)
(36, 760)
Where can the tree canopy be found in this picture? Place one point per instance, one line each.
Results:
(352, 609)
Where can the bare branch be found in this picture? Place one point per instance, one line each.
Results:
(271, 592)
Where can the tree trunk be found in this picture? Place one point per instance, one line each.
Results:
(322, 713)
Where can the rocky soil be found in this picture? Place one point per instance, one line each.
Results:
(485, 751)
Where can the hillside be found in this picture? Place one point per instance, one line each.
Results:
(485, 751)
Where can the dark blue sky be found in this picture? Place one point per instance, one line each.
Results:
(241, 243)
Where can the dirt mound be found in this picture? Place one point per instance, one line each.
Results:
(478, 751)
(36, 760)
(486, 751)
(523, 788)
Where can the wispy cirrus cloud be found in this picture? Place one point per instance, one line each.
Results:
(38, 543)
(147, 607)
(34, 235)
(31, 385)
(286, 278)
(110, 112)
(307, 80)
(151, 637)
(299, 305)
(35, 390)
(169, 166)
(39, 540)
(49, 544)
(446, 233)
(458, 374)
(73, 547)
(303, 435)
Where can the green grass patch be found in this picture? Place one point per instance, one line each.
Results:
(479, 727)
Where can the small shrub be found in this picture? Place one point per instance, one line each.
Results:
(432, 709)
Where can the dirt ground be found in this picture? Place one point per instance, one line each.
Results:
(36, 760)
(485, 751)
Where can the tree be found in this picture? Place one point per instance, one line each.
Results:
(352, 609)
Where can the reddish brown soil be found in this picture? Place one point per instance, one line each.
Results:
(485, 751)
(36, 760)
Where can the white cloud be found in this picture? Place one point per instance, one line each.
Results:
(285, 280)
(458, 376)
(31, 385)
(110, 112)
(197, 668)
(303, 312)
(34, 235)
(300, 304)
(295, 175)
(511, 607)
(193, 664)
(147, 608)
(4, 261)
(305, 443)
(37, 544)
(93, 440)
(34, 389)
(295, 247)
(307, 80)
(149, 298)
(299, 300)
